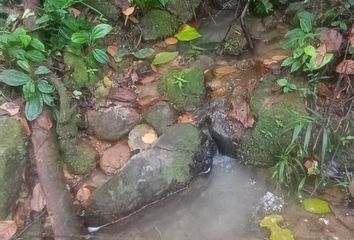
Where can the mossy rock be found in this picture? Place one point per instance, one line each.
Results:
(192, 92)
(158, 24)
(235, 44)
(79, 159)
(106, 7)
(264, 142)
(183, 9)
(12, 160)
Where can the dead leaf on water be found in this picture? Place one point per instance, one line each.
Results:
(37, 200)
(7, 229)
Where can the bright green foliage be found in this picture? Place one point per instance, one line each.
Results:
(316, 205)
(188, 33)
(286, 86)
(276, 232)
(148, 4)
(158, 24)
(164, 57)
(262, 7)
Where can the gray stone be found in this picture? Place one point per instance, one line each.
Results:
(203, 62)
(112, 123)
(136, 137)
(183, 9)
(160, 116)
(158, 24)
(228, 4)
(12, 160)
(178, 155)
(106, 7)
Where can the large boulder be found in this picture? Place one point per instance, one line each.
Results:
(160, 116)
(158, 24)
(112, 123)
(185, 88)
(184, 10)
(12, 160)
(178, 155)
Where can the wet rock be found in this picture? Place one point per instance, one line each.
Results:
(270, 203)
(351, 188)
(107, 8)
(225, 132)
(183, 9)
(203, 62)
(226, 4)
(177, 156)
(273, 111)
(112, 123)
(141, 137)
(158, 24)
(12, 160)
(160, 116)
(235, 44)
(345, 215)
(270, 22)
(114, 158)
(80, 159)
(189, 94)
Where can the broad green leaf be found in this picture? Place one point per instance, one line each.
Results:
(316, 205)
(79, 38)
(25, 40)
(277, 233)
(288, 62)
(14, 78)
(295, 33)
(29, 90)
(307, 137)
(144, 53)
(100, 55)
(48, 99)
(296, 66)
(306, 20)
(24, 65)
(34, 108)
(282, 82)
(100, 31)
(164, 57)
(188, 33)
(42, 70)
(45, 87)
(35, 56)
(163, 2)
(298, 52)
(43, 19)
(37, 44)
(310, 50)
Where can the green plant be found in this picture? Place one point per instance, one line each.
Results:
(262, 7)
(180, 81)
(286, 86)
(346, 139)
(301, 40)
(148, 4)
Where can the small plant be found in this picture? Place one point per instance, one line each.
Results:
(286, 86)
(180, 81)
(346, 139)
(262, 7)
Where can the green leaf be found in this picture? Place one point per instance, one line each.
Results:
(100, 31)
(48, 99)
(45, 87)
(35, 56)
(163, 2)
(282, 82)
(29, 90)
(100, 55)
(316, 205)
(164, 57)
(25, 40)
(306, 20)
(14, 78)
(144, 53)
(34, 108)
(24, 65)
(296, 66)
(42, 70)
(298, 52)
(288, 62)
(37, 44)
(310, 50)
(188, 33)
(79, 38)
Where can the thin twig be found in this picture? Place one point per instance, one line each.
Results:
(158, 230)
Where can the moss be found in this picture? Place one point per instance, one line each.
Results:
(191, 93)
(235, 43)
(158, 24)
(80, 159)
(265, 141)
(106, 7)
(183, 9)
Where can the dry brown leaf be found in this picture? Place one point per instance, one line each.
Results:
(351, 37)
(11, 108)
(25, 125)
(114, 158)
(321, 52)
(68, 175)
(323, 91)
(149, 137)
(83, 195)
(45, 121)
(37, 200)
(128, 11)
(7, 229)
(187, 118)
(112, 50)
(279, 58)
(269, 62)
(75, 11)
(332, 39)
(346, 67)
(221, 71)
(171, 41)
(147, 80)
(244, 115)
(148, 101)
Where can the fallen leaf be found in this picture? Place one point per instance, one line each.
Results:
(11, 108)
(320, 53)
(114, 158)
(128, 11)
(76, 12)
(279, 58)
(112, 50)
(68, 175)
(107, 82)
(316, 205)
(187, 118)
(351, 37)
(346, 67)
(269, 62)
(164, 57)
(44, 121)
(243, 114)
(147, 101)
(276, 232)
(7, 229)
(25, 126)
(149, 137)
(83, 195)
(148, 79)
(332, 39)
(187, 33)
(37, 200)
(225, 70)
(323, 91)
(171, 41)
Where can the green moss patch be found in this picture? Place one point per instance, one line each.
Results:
(158, 24)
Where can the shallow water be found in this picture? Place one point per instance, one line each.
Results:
(220, 205)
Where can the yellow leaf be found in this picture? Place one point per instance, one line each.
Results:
(129, 11)
(276, 232)
(107, 82)
(149, 137)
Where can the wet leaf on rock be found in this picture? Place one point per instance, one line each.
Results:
(316, 205)
(83, 195)
(225, 70)
(164, 57)
(276, 232)
(7, 229)
(188, 33)
(144, 53)
(114, 158)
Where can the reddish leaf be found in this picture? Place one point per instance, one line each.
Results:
(148, 79)
(37, 200)
(351, 37)
(112, 50)
(187, 118)
(11, 108)
(332, 39)
(83, 195)
(321, 52)
(7, 229)
(346, 67)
